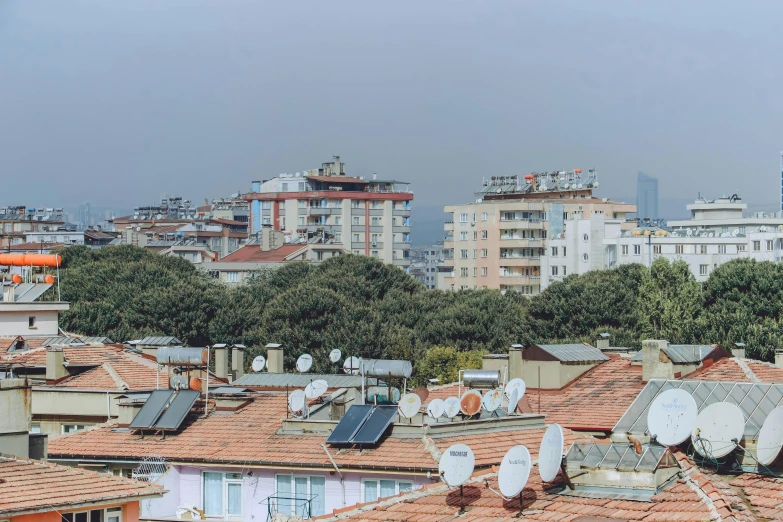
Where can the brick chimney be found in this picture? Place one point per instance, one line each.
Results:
(55, 364)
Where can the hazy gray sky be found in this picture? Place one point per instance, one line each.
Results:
(119, 101)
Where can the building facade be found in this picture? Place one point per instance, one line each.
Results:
(335, 214)
(500, 240)
(16, 222)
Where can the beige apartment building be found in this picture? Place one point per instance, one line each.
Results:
(499, 240)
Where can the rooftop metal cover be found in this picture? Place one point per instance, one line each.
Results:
(229, 390)
(350, 424)
(683, 353)
(375, 425)
(103, 340)
(29, 292)
(574, 352)
(159, 341)
(151, 410)
(177, 410)
(619, 456)
(755, 400)
(60, 339)
(300, 380)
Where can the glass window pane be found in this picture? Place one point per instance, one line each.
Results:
(113, 519)
(406, 487)
(318, 495)
(213, 493)
(300, 504)
(370, 490)
(234, 499)
(80, 517)
(387, 488)
(96, 515)
(284, 490)
(66, 517)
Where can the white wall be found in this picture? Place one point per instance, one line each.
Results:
(13, 323)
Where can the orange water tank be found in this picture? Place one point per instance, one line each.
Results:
(49, 260)
(195, 383)
(49, 279)
(578, 171)
(528, 176)
(16, 278)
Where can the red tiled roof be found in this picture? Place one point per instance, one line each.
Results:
(443, 392)
(73, 355)
(692, 497)
(338, 179)
(7, 342)
(729, 369)
(30, 486)
(250, 435)
(254, 254)
(35, 246)
(125, 371)
(765, 494)
(223, 221)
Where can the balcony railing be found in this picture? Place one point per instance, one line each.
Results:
(528, 220)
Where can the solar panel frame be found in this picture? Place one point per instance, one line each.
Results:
(375, 425)
(177, 410)
(152, 409)
(350, 423)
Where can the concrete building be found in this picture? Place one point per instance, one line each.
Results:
(16, 222)
(725, 215)
(499, 241)
(334, 213)
(646, 196)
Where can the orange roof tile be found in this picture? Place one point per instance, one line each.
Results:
(30, 486)
(124, 371)
(73, 355)
(764, 494)
(729, 369)
(254, 254)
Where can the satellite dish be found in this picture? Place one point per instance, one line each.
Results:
(409, 405)
(514, 471)
(515, 384)
(689, 232)
(304, 362)
(335, 355)
(456, 465)
(715, 426)
(470, 403)
(770, 438)
(316, 388)
(492, 399)
(671, 416)
(435, 408)
(351, 365)
(512, 401)
(550, 454)
(451, 407)
(296, 401)
(422, 392)
(735, 232)
(258, 363)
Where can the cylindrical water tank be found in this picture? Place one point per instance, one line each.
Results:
(181, 356)
(481, 378)
(179, 382)
(380, 395)
(386, 368)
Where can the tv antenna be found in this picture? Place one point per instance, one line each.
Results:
(550, 454)
(718, 429)
(304, 363)
(671, 417)
(451, 407)
(409, 405)
(258, 363)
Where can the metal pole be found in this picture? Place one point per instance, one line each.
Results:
(206, 395)
(539, 389)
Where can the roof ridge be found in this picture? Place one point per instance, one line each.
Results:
(746, 369)
(115, 376)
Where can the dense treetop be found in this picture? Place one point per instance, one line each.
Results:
(370, 309)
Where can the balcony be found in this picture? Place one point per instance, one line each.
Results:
(520, 241)
(323, 211)
(519, 279)
(521, 260)
(524, 224)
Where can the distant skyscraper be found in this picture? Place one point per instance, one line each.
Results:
(647, 196)
(781, 180)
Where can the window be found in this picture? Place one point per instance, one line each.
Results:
(703, 270)
(375, 221)
(463, 254)
(483, 270)
(294, 491)
(564, 271)
(266, 205)
(232, 277)
(474, 217)
(721, 249)
(585, 257)
(474, 253)
(702, 249)
(266, 220)
(554, 270)
(678, 249)
(319, 255)
(637, 250)
(475, 235)
(585, 238)
(113, 514)
(483, 216)
(741, 230)
(70, 428)
(463, 236)
(740, 248)
(484, 252)
(375, 254)
(338, 220)
(463, 272)
(463, 218)
(756, 246)
(35, 428)
(31, 321)
(284, 187)
(374, 238)
(356, 252)
(769, 244)
(374, 204)
(724, 230)
(554, 251)
(372, 490)
(624, 250)
(656, 249)
(484, 234)
(475, 271)
(356, 203)
(356, 220)
(301, 221)
(356, 238)
(302, 203)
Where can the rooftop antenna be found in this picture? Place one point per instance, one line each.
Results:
(456, 466)
(435, 408)
(304, 363)
(770, 439)
(717, 429)
(409, 405)
(671, 417)
(514, 472)
(470, 403)
(550, 454)
(258, 363)
(451, 407)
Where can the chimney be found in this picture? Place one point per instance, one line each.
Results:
(515, 361)
(238, 361)
(602, 343)
(55, 367)
(655, 363)
(738, 351)
(128, 407)
(274, 358)
(221, 361)
(779, 358)
(15, 416)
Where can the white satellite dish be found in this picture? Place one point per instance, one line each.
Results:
(335, 355)
(550, 454)
(258, 363)
(671, 416)
(409, 405)
(297, 401)
(351, 365)
(514, 471)
(716, 426)
(316, 388)
(456, 465)
(451, 407)
(515, 384)
(304, 362)
(512, 401)
(770, 437)
(435, 408)
(491, 400)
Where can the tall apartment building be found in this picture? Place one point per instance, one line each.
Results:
(18, 221)
(334, 213)
(500, 240)
(646, 196)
